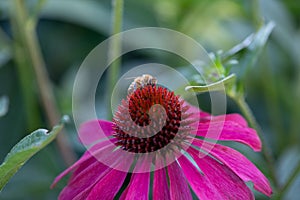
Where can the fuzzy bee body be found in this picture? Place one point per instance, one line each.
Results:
(141, 81)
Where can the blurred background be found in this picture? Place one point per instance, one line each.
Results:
(67, 30)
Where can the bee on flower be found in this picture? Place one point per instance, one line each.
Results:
(141, 81)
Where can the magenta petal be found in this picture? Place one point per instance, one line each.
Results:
(89, 170)
(232, 117)
(90, 173)
(143, 164)
(138, 187)
(108, 186)
(195, 110)
(200, 184)
(89, 158)
(87, 173)
(111, 183)
(84, 161)
(237, 118)
(221, 178)
(160, 185)
(231, 129)
(94, 131)
(64, 173)
(179, 188)
(84, 180)
(244, 168)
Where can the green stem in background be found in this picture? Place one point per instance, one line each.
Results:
(256, 15)
(247, 112)
(27, 32)
(289, 182)
(25, 73)
(114, 49)
(272, 96)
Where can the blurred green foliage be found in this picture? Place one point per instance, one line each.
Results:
(69, 29)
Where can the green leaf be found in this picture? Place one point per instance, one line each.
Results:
(250, 49)
(24, 150)
(217, 86)
(4, 103)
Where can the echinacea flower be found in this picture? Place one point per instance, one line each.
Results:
(156, 146)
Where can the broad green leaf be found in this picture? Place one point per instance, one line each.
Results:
(24, 150)
(4, 103)
(217, 86)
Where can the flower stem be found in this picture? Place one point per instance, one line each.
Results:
(25, 73)
(247, 112)
(115, 49)
(256, 15)
(30, 41)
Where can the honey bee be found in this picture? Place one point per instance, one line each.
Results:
(141, 81)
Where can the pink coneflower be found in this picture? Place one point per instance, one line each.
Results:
(157, 137)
